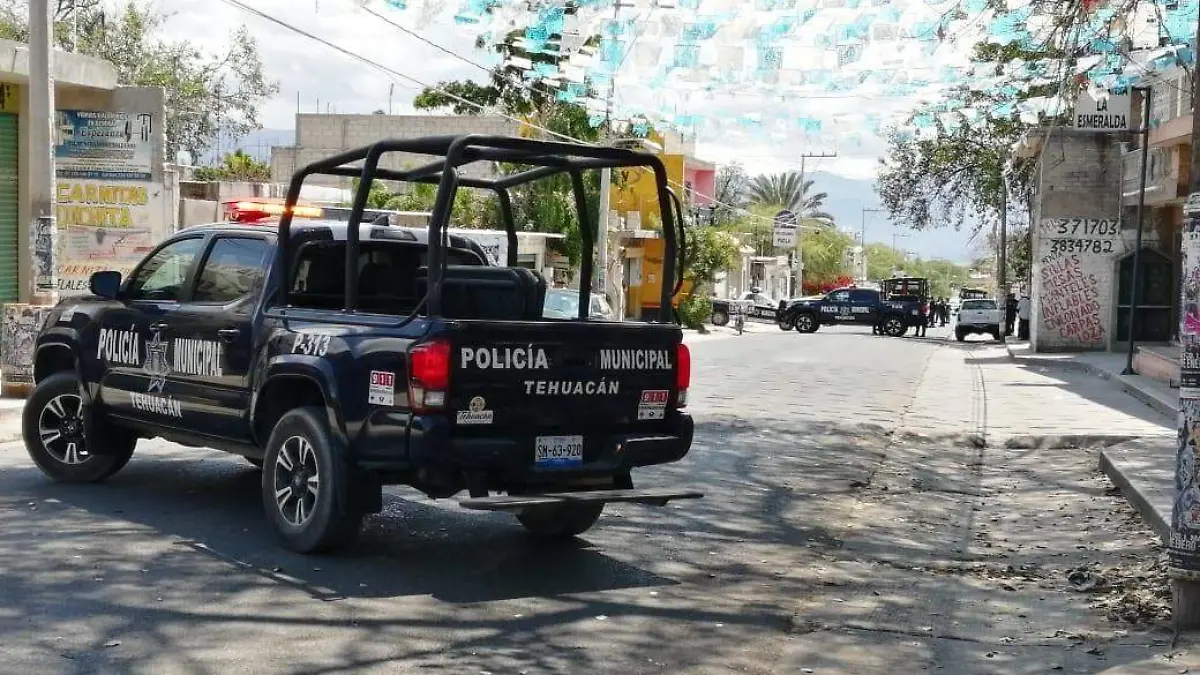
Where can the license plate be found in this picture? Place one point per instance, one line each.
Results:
(558, 451)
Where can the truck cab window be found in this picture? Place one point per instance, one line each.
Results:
(387, 275)
(162, 277)
(231, 270)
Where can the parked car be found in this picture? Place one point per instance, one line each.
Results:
(979, 317)
(562, 303)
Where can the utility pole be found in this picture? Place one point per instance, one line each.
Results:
(1002, 254)
(1135, 289)
(863, 241)
(43, 231)
(798, 268)
(1183, 551)
(601, 242)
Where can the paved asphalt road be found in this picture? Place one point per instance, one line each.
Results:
(825, 544)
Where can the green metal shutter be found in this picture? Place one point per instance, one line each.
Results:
(9, 226)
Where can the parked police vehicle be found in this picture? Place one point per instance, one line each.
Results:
(898, 305)
(752, 302)
(344, 355)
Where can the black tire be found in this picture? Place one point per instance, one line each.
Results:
(561, 521)
(996, 336)
(893, 326)
(52, 428)
(806, 323)
(786, 323)
(959, 335)
(300, 458)
(255, 461)
(719, 318)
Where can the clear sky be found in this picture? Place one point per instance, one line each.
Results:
(310, 74)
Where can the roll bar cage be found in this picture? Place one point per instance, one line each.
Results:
(547, 158)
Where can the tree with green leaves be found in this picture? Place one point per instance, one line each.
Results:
(710, 251)
(960, 169)
(546, 205)
(789, 191)
(206, 94)
(236, 166)
(729, 191)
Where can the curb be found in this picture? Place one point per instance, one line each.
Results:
(1169, 408)
(1128, 485)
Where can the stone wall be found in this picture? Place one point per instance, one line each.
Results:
(321, 136)
(1080, 238)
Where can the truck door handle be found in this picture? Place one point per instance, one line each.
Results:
(161, 325)
(228, 334)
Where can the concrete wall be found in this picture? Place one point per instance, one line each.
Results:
(321, 136)
(1079, 240)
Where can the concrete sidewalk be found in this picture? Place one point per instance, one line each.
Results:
(10, 418)
(1105, 365)
(1143, 469)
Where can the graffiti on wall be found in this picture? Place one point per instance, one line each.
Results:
(22, 323)
(1071, 300)
(1076, 256)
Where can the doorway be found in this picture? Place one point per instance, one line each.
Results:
(1155, 297)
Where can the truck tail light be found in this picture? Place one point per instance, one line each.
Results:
(683, 373)
(925, 308)
(428, 375)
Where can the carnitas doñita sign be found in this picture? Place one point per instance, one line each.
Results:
(1111, 113)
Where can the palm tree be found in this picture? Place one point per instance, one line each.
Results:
(787, 191)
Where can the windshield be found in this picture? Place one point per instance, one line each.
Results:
(979, 304)
(561, 304)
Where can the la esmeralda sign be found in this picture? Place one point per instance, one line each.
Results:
(1109, 114)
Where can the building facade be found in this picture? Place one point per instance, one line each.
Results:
(1083, 245)
(320, 136)
(114, 200)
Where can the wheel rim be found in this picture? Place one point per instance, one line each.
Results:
(784, 324)
(297, 480)
(893, 326)
(60, 427)
(804, 322)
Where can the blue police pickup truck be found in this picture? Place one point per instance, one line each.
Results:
(344, 355)
(898, 305)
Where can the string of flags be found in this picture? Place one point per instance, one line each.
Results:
(817, 69)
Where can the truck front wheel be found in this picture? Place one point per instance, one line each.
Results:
(52, 425)
(719, 318)
(306, 494)
(806, 323)
(561, 521)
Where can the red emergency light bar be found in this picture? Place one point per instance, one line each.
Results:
(253, 211)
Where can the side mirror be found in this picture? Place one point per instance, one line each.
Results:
(106, 284)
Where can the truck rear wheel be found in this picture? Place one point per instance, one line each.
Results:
(306, 494)
(893, 326)
(561, 521)
(53, 430)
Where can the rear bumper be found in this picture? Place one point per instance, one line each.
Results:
(432, 445)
